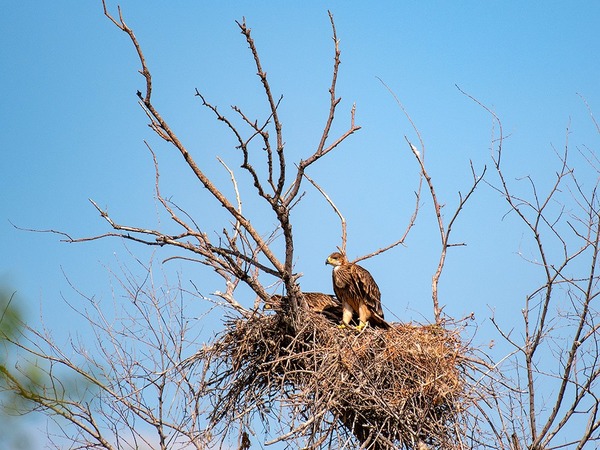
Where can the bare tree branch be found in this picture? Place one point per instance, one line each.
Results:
(342, 248)
(163, 129)
(334, 101)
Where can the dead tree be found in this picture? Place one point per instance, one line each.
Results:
(545, 395)
(293, 338)
(288, 367)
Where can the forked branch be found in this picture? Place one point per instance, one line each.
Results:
(323, 148)
(274, 114)
(159, 125)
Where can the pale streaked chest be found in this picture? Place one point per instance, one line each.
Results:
(338, 280)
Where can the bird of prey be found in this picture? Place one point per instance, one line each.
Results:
(315, 301)
(356, 289)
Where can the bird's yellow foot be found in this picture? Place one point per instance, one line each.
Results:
(361, 326)
(342, 325)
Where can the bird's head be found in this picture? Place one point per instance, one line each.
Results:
(336, 259)
(274, 302)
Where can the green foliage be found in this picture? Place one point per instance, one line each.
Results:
(12, 427)
(32, 382)
(10, 318)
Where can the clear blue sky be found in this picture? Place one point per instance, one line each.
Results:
(72, 130)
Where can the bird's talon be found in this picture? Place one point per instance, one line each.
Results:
(361, 326)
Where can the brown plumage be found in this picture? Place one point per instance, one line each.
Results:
(315, 301)
(356, 289)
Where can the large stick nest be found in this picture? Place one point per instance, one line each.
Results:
(328, 387)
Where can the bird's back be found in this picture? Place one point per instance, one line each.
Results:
(367, 288)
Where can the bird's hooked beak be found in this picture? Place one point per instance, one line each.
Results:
(327, 261)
